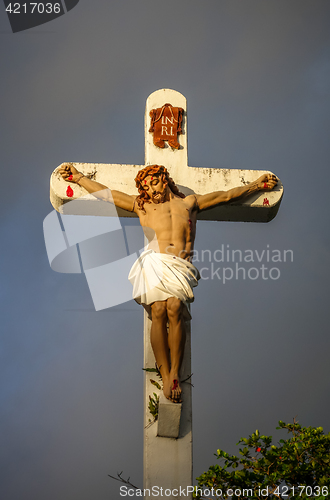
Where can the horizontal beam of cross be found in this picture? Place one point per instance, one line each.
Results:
(259, 207)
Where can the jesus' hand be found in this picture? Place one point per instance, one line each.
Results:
(267, 182)
(70, 173)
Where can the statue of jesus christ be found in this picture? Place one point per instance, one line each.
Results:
(168, 219)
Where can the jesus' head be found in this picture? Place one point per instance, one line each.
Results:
(153, 183)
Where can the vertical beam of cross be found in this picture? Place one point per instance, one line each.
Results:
(167, 461)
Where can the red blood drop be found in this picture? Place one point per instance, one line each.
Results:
(265, 185)
(69, 192)
(175, 384)
(70, 178)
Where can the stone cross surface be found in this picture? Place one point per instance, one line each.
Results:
(168, 461)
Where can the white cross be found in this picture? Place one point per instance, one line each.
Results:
(167, 461)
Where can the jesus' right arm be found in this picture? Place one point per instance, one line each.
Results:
(120, 199)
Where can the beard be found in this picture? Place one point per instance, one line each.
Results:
(159, 197)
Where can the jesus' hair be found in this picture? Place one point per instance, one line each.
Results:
(157, 171)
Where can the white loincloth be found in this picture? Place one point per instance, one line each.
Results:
(159, 276)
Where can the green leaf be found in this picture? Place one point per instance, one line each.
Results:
(156, 384)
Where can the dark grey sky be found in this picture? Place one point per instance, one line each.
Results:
(256, 76)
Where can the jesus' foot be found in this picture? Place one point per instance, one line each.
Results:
(176, 391)
(172, 389)
(175, 388)
(167, 387)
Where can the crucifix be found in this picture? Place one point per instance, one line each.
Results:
(171, 197)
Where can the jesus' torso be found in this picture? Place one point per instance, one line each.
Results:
(170, 226)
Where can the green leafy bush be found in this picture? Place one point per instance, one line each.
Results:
(298, 467)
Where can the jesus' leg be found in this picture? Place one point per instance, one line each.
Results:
(159, 343)
(176, 342)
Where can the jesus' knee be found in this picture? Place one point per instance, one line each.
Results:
(174, 309)
(159, 311)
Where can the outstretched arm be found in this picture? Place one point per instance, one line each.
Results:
(120, 199)
(264, 183)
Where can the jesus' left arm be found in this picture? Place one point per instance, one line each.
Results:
(266, 182)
